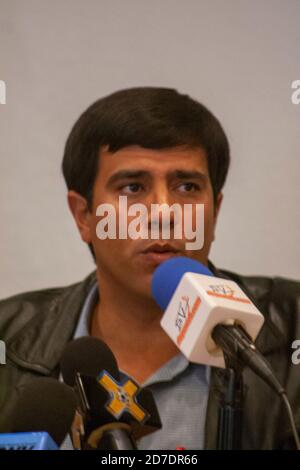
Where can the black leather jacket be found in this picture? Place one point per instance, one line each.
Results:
(37, 325)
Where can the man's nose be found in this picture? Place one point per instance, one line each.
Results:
(159, 202)
(160, 194)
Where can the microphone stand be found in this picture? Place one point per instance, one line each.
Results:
(230, 408)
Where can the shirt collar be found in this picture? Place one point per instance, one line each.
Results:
(82, 328)
(176, 366)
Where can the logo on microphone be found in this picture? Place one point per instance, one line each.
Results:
(122, 398)
(225, 292)
(185, 315)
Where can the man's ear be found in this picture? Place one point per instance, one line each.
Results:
(218, 204)
(82, 216)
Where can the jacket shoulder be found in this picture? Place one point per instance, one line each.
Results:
(264, 289)
(277, 298)
(18, 310)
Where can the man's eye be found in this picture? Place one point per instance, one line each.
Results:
(188, 187)
(131, 188)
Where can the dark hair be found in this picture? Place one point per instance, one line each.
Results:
(150, 117)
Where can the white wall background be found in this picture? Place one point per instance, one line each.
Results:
(239, 57)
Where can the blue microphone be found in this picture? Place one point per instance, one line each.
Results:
(168, 275)
(42, 416)
(27, 441)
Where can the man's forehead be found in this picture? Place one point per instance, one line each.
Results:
(153, 160)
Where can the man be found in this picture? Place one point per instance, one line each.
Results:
(154, 146)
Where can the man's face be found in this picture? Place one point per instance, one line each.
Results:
(176, 175)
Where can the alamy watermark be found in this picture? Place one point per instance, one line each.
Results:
(296, 353)
(180, 222)
(2, 92)
(296, 94)
(2, 353)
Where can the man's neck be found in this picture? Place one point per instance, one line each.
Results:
(130, 325)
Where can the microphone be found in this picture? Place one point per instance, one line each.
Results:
(45, 407)
(210, 319)
(114, 413)
(27, 441)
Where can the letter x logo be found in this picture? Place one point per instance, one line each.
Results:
(122, 397)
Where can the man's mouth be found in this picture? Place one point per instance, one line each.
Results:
(159, 252)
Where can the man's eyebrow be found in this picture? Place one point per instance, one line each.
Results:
(127, 174)
(188, 174)
(179, 174)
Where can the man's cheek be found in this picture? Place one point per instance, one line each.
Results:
(114, 251)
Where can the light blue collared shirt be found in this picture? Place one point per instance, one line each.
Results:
(180, 390)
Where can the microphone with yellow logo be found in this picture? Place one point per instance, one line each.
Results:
(113, 413)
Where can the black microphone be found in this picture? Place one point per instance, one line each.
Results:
(239, 347)
(44, 404)
(115, 413)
